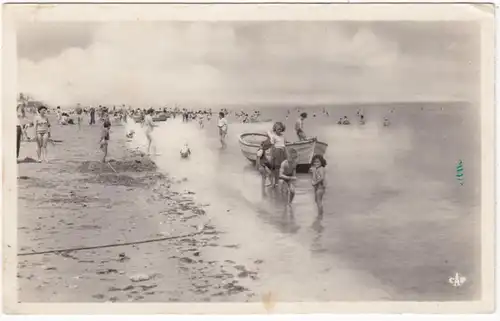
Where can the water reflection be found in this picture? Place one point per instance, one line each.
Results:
(318, 228)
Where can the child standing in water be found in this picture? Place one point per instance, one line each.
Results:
(222, 129)
(42, 131)
(105, 139)
(318, 165)
(278, 150)
(263, 164)
(287, 172)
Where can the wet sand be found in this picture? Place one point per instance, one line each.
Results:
(75, 201)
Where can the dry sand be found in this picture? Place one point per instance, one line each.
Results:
(76, 201)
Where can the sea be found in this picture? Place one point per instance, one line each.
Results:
(398, 221)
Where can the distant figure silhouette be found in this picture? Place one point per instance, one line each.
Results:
(185, 151)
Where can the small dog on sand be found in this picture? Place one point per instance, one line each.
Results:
(185, 151)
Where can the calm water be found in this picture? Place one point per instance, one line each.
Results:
(397, 222)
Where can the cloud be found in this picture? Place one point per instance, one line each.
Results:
(208, 63)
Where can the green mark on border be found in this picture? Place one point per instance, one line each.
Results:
(460, 172)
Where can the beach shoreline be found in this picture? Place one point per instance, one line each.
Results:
(76, 202)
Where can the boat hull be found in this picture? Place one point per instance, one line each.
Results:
(250, 143)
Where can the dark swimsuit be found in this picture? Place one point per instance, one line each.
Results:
(263, 161)
(287, 172)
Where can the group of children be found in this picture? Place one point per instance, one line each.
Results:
(281, 167)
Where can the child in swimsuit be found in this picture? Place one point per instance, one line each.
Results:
(42, 131)
(318, 165)
(222, 129)
(278, 151)
(105, 139)
(287, 174)
(149, 124)
(185, 151)
(263, 164)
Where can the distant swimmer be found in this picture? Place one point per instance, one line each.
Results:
(340, 121)
(386, 122)
(185, 151)
(346, 121)
(200, 121)
(361, 120)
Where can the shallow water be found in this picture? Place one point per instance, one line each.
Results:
(397, 222)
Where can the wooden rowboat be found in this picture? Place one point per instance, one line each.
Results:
(250, 143)
(160, 117)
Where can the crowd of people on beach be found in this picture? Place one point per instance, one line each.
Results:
(276, 162)
(38, 120)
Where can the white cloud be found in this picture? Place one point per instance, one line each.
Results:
(143, 64)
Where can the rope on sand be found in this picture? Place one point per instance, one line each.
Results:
(112, 245)
(112, 167)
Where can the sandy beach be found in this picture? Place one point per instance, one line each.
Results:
(225, 241)
(75, 201)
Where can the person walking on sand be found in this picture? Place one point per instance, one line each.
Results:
(223, 126)
(278, 149)
(299, 127)
(288, 170)
(42, 130)
(149, 126)
(105, 139)
(318, 165)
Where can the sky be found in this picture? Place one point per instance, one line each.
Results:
(206, 63)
